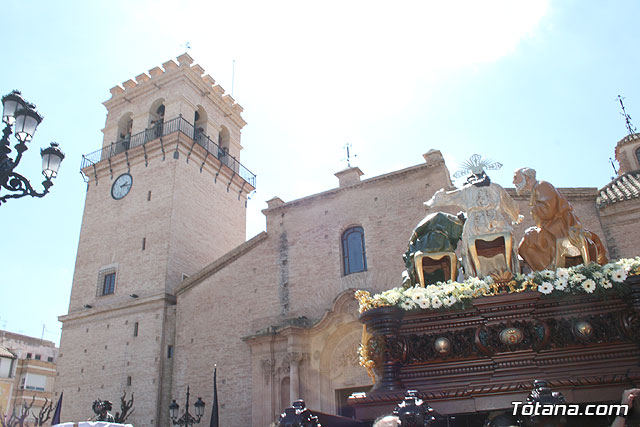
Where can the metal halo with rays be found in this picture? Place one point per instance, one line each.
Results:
(476, 165)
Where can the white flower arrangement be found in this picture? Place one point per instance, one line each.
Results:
(589, 286)
(561, 283)
(619, 275)
(546, 288)
(581, 279)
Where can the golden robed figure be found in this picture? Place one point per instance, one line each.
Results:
(558, 239)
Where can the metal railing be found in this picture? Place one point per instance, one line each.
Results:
(179, 124)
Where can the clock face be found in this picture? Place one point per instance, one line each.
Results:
(121, 186)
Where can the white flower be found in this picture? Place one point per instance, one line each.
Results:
(577, 278)
(392, 295)
(597, 275)
(449, 300)
(589, 286)
(446, 288)
(432, 289)
(407, 304)
(424, 303)
(619, 275)
(436, 302)
(562, 273)
(417, 294)
(560, 284)
(545, 288)
(547, 274)
(606, 283)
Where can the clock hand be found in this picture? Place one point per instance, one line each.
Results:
(126, 184)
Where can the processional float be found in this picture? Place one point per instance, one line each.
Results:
(480, 316)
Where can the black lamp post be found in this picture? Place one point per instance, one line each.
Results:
(22, 116)
(186, 419)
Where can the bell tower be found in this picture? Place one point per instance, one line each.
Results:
(628, 153)
(166, 195)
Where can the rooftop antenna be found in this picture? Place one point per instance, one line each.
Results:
(347, 146)
(233, 75)
(627, 118)
(613, 165)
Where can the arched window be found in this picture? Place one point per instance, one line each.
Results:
(156, 120)
(638, 156)
(200, 126)
(223, 145)
(125, 125)
(353, 253)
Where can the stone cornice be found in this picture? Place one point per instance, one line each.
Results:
(161, 299)
(376, 179)
(572, 193)
(627, 140)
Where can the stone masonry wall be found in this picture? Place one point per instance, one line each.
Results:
(296, 272)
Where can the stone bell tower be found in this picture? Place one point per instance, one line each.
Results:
(628, 153)
(619, 201)
(166, 195)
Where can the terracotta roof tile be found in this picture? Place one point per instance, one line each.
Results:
(624, 187)
(5, 352)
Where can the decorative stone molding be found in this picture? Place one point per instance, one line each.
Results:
(268, 369)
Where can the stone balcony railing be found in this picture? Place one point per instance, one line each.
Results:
(179, 124)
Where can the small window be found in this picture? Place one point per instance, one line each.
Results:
(38, 357)
(144, 243)
(169, 352)
(638, 156)
(128, 380)
(29, 355)
(135, 329)
(109, 284)
(353, 253)
(49, 359)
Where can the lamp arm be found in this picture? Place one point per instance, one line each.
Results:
(186, 420)
(20, 184)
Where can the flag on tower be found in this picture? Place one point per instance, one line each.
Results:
(56, 414)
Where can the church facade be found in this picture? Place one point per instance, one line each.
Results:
(166, 287)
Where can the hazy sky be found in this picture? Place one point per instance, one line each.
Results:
(526, 83)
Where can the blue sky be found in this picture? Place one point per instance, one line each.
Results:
(524, 83)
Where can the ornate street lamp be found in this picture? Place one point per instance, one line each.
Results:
(22, 116)
(186, 419)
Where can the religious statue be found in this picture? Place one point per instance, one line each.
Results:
(101, 409)
(487, 236)
(558, 239)
(431, 254)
